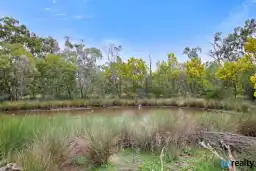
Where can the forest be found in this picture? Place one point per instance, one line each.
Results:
(34, 67)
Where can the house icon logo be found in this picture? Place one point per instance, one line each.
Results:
(225, 164)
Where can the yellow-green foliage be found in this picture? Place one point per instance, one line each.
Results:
(195, 69)
(253, 80)
(136, 70)
(231, 69)
(250, 48)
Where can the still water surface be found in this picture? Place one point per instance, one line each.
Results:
(115, 111)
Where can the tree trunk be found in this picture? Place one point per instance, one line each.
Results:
(235, 89)
(236, 142)
(81, 89)
(120, 87)
(117, 89)
(69, 93)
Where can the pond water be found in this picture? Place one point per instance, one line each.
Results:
(114, 111)
(208, 121)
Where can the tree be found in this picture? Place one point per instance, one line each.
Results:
(232, 71)
(86, 67)
(113, 52)
(195, 73)
(250, 48)
(136, 71)
(48, 46)
(12, 32)
(116, 73)
(231, 48)
(17, 69)
(166, 76)
(192, 52)
(57, 77)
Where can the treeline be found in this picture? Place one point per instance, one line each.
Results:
(35, 67)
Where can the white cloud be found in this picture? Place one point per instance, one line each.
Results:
(78, 17)
(60, 14)
(236, 18)
(54, 1)
(47, 9)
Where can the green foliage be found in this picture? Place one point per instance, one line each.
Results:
(33, 66)
(151, 165)
(80, 160)
(57, 76)
(195, 75)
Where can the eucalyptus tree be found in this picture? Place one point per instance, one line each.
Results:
(85, 60)
(17, 69)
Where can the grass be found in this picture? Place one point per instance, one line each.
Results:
(235, 105)
(42, 143)
(200, 160)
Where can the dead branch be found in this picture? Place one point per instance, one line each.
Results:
(10, 167)
(231, 158)
(161, 159)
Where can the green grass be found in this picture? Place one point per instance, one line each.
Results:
(42, 143)
(200, 160)
(235, 105)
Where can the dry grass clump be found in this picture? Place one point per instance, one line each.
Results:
(248, 127)
(44, 154)
(78, 148)
(96, 142)
(197, 103)
(152, 134)
(218, 122)
(93, 149)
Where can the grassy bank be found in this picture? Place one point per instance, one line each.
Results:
(235, 105)
(78, 143)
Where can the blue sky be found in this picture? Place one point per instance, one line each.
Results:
(142, 27)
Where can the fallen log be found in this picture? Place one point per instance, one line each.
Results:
(238, 143)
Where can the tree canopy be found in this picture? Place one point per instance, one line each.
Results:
(32, 66)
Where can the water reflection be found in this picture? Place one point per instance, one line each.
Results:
(115, 111)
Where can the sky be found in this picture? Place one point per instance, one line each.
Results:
(142, 27)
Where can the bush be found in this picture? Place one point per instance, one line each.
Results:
(214, 94)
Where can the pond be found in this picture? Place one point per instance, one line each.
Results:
(208, 120)
(114, 111)
(202, 119)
